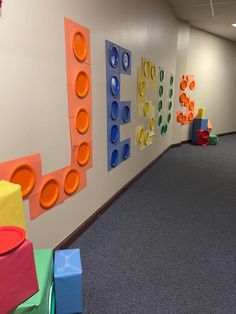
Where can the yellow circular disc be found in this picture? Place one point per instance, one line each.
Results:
(146, 108)
(141, 135)
(80, 46)
(152, 123)
(153, 72)
(146, 137)
(142, 88)
(146, 68)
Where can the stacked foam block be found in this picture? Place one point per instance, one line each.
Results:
(30, 280)
(202, 134)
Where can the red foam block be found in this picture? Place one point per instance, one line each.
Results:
(18, 279)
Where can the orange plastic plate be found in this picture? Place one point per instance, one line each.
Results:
(79, 46)
(83, 154)
(24, 175)
(82, 121)
(49, 193)
(72, 181)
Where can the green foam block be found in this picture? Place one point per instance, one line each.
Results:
(213, 139)
(41, 302)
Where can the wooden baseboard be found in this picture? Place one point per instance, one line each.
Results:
(88, 222)
(228, 133)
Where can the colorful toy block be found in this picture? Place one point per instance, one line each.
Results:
(11, 205)
(213, 139)
(41, 302)
(200, 124)
(68, 281)
(18, 279)
(202, 137)
(201, 113)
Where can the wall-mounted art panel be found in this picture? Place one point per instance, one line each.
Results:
(46, 191)
(146, 87)
(187, 85)
(165, 104)
(118, 61)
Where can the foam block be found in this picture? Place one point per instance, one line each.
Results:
(41, 301)
(18, 280)
(11, 205)
(68, 281)
(213, 139)
(202, 137)
(200, 124)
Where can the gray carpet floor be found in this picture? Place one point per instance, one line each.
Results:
(168, 245)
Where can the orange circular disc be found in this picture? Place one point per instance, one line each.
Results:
(183, 85)
(82, 84)
(191, 105)
(82, 121)
(186, 101)
(184, 119)
(24, 175)
(190, 116)
(80, 46)
(49, 193)
(192, 85)
(182, 97)
(180, 117)
(83, 154)
(71, 182)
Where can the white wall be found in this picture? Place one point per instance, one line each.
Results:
(33, 99)
(33, 96)
(213, 61)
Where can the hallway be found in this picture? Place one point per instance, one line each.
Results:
(168, 245)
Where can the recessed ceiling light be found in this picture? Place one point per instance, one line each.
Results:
(234, 25)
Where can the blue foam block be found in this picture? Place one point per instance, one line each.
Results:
(68, 281)
(200, 124)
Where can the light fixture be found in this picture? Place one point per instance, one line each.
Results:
(234, 25)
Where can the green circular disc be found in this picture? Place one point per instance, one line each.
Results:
(171, 80)
(171, 93)
(169, 117)
(165, 128)
(161, 90)
(170, 105)
(160, 105)
(162, 74)
(159, 120)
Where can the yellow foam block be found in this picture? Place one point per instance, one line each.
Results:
(11, 205)
(201, 113)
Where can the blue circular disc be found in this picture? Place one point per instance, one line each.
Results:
(114, 158)
(126, 61)
(126, 114)
(126, 151)
(114, 133)
(114, 111)
(115, 86)
(114, 56)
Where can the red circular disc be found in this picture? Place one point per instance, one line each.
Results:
(10, 238)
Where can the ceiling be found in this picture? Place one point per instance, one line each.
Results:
(199, 13)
